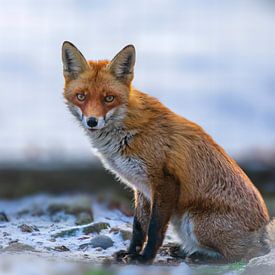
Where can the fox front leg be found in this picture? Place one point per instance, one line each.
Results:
(160, 216)
(141, 222)
(164, 198)
(140, 228)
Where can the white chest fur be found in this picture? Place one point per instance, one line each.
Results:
(129, 169)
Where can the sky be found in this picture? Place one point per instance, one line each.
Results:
(212, 62)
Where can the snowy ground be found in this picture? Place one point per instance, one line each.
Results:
(210, 61)
(41, 227)
(40, 236)
(34, 212)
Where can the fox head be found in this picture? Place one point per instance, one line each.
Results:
(97, 92)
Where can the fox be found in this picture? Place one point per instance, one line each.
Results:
(178, 173)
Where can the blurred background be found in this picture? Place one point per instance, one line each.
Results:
(212, 61)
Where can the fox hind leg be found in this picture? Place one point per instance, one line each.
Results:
(225, 235)
(191, 249)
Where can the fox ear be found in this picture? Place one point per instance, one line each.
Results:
(122, 65)
(74, 63)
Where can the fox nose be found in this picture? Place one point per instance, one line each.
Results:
(92, 122)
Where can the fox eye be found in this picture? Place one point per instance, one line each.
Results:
(81, 97)
(109, 98)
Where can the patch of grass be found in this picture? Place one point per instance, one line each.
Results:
(236, 268)
(98, 272)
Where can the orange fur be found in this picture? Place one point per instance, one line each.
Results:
(186, 171)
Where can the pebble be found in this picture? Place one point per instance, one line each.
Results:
(27, 228)
(61, 248)
(96, 227)
(88, 229)
(100, 241)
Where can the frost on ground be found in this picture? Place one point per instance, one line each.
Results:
(76, 235)
(48, 225)
(66, 228)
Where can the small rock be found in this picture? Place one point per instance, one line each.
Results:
(18, 247)
(66, 233)
(61, 248)
(88, 229)
(6, 234)
(101, 241)
(96, 227)
(3, 217)
(83, 218)
(260, 265)
(27, 228)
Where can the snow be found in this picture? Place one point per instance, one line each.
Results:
(20, 212)
(43, 259)
(42, 240)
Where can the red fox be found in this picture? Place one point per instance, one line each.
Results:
(177, 171)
